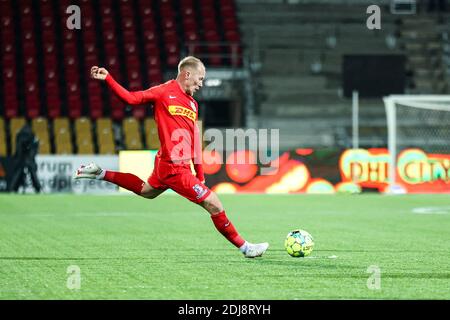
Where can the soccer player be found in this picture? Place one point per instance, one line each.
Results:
(175, 112)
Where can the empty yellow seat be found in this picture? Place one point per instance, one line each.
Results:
(151, 134)
(64, 148)
(84, 145)
(40, 128)
(105, 136)
(63, 136)
(3, 150)
(106, 148)
(83, 124)
(132, 134)
(83, 132)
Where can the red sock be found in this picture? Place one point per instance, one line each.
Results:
(125, 180)
(226, 228)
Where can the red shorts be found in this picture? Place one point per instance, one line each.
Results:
(179, 178)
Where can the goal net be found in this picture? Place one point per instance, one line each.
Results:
(418, 123)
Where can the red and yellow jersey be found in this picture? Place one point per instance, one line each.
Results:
(175, 114)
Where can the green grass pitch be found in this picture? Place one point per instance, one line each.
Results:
(128, 247)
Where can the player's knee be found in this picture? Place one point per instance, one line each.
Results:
(148, 192)
(149, 195)
(212, 204)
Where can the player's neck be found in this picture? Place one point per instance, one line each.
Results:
(181, 85)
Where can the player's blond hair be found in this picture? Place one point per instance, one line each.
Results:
(190, 62)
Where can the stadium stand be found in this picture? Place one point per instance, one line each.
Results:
(132, 135)
(302, 79)
(46, 64)
(422, 39)
(83, 133)
(151, 134)
(105, 136)
(62, 136)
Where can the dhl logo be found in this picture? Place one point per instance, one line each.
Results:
(182, 111)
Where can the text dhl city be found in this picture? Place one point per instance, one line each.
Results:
(412, 170)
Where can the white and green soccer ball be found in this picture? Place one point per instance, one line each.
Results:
(299, 243)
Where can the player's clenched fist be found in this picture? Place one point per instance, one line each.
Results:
(98, 73)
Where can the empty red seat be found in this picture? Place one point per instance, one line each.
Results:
(153, 61)
(150, 36)
(230, 23)
(172, 60)
(94, 88)
(129, 36)
(148, 24)
(212, 36)
(53, 107)
(209, 24)
(116, 107)
(32, 101)
(205, 3)
(139, 112)
(191, 37)
(126, 10)
(75, 107)
(232, 36)
(95, 107)
(154, 75)
(215, 60)
(208, 12)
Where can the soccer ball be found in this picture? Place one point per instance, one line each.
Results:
(299, 243)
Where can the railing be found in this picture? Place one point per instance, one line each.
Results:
(225, 50)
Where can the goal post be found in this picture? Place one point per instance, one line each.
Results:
(416, 121)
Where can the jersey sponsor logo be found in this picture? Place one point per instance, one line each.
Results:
(172, 97)
(199, 190)
(182, 111)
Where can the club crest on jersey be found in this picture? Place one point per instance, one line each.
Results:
(199, 190)
(193, 106)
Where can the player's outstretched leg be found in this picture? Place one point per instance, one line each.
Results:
(250, 250)
(125, 180)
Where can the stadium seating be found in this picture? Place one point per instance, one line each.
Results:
(45, 78)
(79, 139)
(62, 136)
(3, 148)
(132, 135)
(83, 133)
(105, 136)
(53, 89)
(151, 134)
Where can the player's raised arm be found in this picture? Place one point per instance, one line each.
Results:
(129, 97)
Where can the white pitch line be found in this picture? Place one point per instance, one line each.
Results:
(431, 210)
(322, 257)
